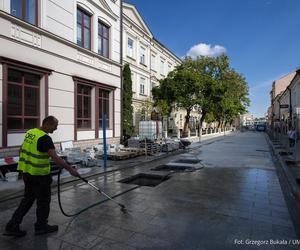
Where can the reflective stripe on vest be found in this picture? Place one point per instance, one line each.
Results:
(31, 160)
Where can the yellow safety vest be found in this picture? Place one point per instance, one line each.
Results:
(31, 160)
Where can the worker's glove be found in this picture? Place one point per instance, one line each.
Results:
(74, 172)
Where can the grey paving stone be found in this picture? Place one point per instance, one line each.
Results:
(108, 244)
(228, 199)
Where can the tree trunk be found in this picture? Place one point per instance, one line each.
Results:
(202, 118)
(219, 123)
(186, 122)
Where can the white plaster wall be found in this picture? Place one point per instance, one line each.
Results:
(1, 4)
(117, 120)
(60, 18)
(85, 135)
(59, 98)
(115, 45)
(109, 134)
(61, 81)
(118, 129)
(117, 101)
(15, 139)
(63, 133)
(65, 116)
(5, 5)
(115, 6)
(37, 57)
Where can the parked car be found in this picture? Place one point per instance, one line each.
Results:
(260, 127)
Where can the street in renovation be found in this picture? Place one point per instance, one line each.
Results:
(228, 196)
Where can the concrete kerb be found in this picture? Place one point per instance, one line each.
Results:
(289, 186)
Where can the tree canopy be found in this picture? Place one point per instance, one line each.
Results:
(206, 83)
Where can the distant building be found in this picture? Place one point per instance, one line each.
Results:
(289, 102)
(247, 119)
(149, 62)
(277, 108)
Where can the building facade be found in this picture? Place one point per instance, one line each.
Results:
(289, 101)
(278, 87)
(149, 62)
(60, 58)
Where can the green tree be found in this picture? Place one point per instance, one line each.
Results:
(180, 89)
(224, 92)
(127, 109)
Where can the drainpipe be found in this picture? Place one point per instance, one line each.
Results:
(279, 111)
(279, 117)
(290, 106)
(121, 68)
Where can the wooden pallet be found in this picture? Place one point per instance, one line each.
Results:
(121, 155)
(138, 151)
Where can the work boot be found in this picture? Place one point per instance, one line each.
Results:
(46, 229)
(14, 230)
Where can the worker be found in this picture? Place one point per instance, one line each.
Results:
(35, 167)
(292, 134)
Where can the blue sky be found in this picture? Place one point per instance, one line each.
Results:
(261, 37)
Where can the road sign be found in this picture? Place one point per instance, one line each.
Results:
(282, 106)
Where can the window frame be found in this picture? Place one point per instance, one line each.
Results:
(130, 49)
(84, 13)
(142, 55)
(96, 86)
(28, 68)
(100, 36)
(153, 62)
(82, 95)
(102, 99)
(23, 12)
(142, 85)
(23, 86)
(162, 67)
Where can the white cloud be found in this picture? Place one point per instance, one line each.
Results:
(203, 49)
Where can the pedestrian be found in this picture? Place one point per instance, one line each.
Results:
(35, 167)
(292, 137)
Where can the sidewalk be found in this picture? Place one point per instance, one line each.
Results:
(288, 172)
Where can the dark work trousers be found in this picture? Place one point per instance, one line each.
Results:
(36, 188)
(292, 142)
